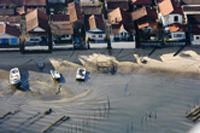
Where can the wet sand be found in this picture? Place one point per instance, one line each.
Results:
(163, 87)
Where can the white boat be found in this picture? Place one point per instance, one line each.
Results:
(81, 74)
(15, 77)
(55, 74)
(40, 64)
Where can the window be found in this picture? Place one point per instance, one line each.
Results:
(34, 39)
(125, 34)
(67, 35)
(176, 18)
(178, 35)
(62, 36)
(13, 40)
(4, 41)
(122, 34)
(116, 20)
(100, 36)
(93, 36)
(197, 38)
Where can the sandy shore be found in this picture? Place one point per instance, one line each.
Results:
(166, 83)
(160, 62)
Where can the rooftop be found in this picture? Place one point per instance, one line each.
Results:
(12, 30)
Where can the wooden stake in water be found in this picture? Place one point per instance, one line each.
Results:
(104, 109)
(108, 103)
(100, 111)
(131, 126)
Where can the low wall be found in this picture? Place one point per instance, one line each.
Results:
(122, 44)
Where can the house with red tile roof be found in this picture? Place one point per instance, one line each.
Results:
(172, 16)
(177, 31)
(75, 12)
(22, 7)
(37, 26)
(95, 28)
(77, 23)
(61, 28)
(12, 20)
(122, 32)
(9, 35)
(121, 24)
(170, 12)
(146, 21)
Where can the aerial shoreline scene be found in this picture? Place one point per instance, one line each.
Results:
(111, 66)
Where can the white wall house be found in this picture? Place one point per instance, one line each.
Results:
(123, 35)
(146, 29)
(195, 40)
(172, 18)
(96, 34)
(36, 38)
(37, 29)
(64, 37)
(8, 39)
(179, 35)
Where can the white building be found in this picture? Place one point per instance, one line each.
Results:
(9, 35)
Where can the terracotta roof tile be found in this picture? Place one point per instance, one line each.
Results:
(21, 10)
(176, 27)
(119, 15)
(145, 22)
(60, 17)
(35, 2)
(35, 19)
(61, 28)
(96, 21)
(12, 30)
(166, 7)
(117, 28)
(75, 12)
(11, 20)
(142, 12)
(169, 6)
(141, 2)
(135, 15)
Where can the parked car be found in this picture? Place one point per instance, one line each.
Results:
(55, 74)
(81, 74)
(15, 76)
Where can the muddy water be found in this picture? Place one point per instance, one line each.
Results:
(138, 103)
